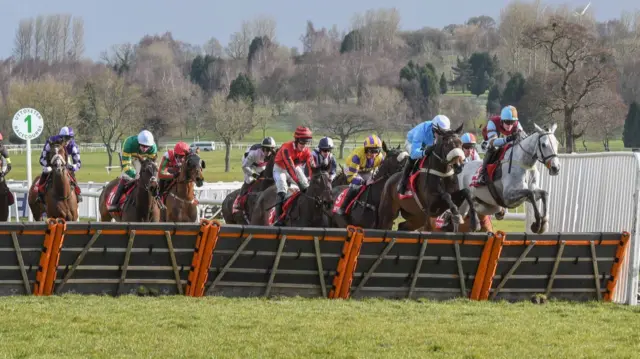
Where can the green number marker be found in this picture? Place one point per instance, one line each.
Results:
(28, 121)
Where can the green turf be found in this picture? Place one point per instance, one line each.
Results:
(180, 327)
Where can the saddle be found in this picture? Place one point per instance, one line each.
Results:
(38, 189)
(128, 188)
(286, 207)
(343, 195)
(415, 171)
(494, 171)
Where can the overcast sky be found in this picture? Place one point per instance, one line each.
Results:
(195, 21)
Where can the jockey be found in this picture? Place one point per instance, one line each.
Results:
(138, 147)
(418, 138)
(469, 147)
(255, 162)
(506, 125)
(5, 155)
(65, 135)
(291, 156)
(360, 166)
(170, 164)
(323, 158)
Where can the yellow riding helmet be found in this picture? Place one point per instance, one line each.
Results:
(373, 141)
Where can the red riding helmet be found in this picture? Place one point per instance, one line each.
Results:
(181, 149)
(302, 134)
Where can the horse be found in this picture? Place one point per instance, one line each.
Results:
(436, 189)
(141, 203)
(243, 216)
(340, 179)
(180, 200)
(6, 198)
(518, 181)
(307, 209)
(364, 211)
(60, 200)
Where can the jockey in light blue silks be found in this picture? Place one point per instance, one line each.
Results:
(419, 144)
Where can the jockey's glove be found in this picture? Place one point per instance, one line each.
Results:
(255, 175)
(69, 167)
(484, 145)
(512, 137)
(47, 169)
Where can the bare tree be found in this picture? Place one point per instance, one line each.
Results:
(388, 107)
(342, 121)
(264, 26)
(51, 38)
(38, 37)
(605, 118)
(229, 121)
(77, 39)
(65, 35)
(379, 29)
(264, 114)
(22, 40)
(112, 108)
(580, 67)
(462, 110)
(213, 48)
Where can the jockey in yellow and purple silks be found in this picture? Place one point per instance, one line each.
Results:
(361, 164)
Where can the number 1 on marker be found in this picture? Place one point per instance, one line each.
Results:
(28, 121)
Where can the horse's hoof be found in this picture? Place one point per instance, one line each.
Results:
(457, 219)
(535, 227)
(500, 215)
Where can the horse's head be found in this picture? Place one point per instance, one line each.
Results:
(448, 148)
(394, 160)
(58, 156)
(191, 169)
(270, 159)
(320, 188)
(148, 172)
(547, 148)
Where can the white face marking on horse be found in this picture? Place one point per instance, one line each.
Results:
(456, 154)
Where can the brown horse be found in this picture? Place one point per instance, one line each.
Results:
(436, 189)
(261, 183)
(180, 201)
(364, 212)
(6, 198)
(308, 209)
(60, 198)
(141, 203)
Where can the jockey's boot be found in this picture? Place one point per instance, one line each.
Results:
(482, 178)
(113, 205)
(41, 182)
(406, 172)
(279, 202)
(351, 194)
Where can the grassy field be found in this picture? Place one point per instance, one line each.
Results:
(180, 327)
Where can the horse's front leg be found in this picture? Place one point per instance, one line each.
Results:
(517, 195)
(544, 196)
(456, 217)
(473, 214)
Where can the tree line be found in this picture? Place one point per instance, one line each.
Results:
(549, 63)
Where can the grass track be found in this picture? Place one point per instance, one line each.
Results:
(178, 327)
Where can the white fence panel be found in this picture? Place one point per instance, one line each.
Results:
(598, 192)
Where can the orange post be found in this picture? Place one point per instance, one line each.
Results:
(492, 264)
(43, 266)
(342, 262)
(617, 264)
(345, 289)
(197, 257)
(56, 246)
(207, 257)
(481, 272)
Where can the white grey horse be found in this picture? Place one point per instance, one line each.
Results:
(519, 178)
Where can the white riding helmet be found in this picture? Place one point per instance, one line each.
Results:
(145, 138)
(442, 122)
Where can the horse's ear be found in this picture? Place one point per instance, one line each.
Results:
(535, 125)
(202, 164)
(384, 147)
(397, 148)
(553, 128)
(459, 129)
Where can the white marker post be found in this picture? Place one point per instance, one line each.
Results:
(28, 125)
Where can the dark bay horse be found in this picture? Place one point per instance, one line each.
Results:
(180, 201)
(60, 198)
(243, 216)
(141, 205)
(364, 212)
(436, 189)
(308, 209)
(6, 198)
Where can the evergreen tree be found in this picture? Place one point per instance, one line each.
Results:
(461, 74)
(493, 100)
(631, 133)
(443, 84)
